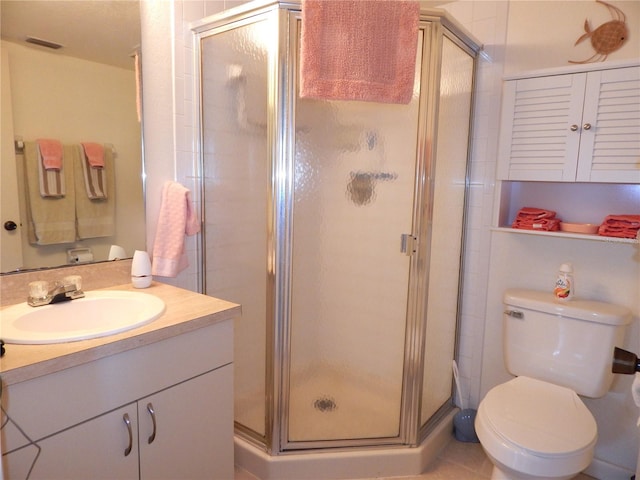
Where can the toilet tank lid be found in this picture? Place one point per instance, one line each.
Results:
(589, 310)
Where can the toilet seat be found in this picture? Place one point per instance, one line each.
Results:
(543, 418)
(536, 428)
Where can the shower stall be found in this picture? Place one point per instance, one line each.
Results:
(339, 228)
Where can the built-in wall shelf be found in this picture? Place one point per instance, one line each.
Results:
(572, 202)
(581, 236)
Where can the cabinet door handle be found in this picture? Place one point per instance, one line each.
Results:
(587, 126)
(574, 128)
(152, 412)
(127, 422)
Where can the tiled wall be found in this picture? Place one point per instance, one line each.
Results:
(487, 21)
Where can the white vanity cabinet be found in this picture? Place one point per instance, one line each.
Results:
(76, 416)
(582, 126)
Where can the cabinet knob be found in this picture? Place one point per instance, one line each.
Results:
(574, 128)
(587, 126)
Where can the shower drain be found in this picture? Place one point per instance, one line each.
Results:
(325, 404)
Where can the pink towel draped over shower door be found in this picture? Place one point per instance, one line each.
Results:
(177, 218)
(359, 49)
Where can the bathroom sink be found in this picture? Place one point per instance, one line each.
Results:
(98, 314)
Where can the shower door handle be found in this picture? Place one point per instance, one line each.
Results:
(408, 244)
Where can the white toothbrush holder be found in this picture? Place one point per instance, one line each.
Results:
(141, 270)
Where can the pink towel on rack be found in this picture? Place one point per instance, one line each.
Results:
(359, 50)
(177, 218)
(51, 152)
(94, 153)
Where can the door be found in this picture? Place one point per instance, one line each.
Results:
(94, 449)
(186, 431)
(540, 130)
(10, 239)
(354, 178)
(610, 138)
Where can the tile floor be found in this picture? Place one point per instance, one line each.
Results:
(459, 461)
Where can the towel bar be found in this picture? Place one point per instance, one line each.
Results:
(19, 145)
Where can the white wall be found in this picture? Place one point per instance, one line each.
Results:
(490, 256)
(542, 34)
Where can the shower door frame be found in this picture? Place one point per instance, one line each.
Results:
(281, 360)
(411, 432)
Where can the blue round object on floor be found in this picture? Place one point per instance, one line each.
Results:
(463, 426)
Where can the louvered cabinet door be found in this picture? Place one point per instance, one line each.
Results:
(610, 137)
(540, 131)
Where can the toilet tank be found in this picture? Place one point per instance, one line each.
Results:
(568, 343)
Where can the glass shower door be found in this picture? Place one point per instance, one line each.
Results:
(447, 229)
(236, 179)
(354, 182)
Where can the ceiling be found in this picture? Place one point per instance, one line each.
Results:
(104, 31)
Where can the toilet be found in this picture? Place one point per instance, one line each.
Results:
(535, 426)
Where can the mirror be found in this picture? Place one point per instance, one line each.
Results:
(84, 91)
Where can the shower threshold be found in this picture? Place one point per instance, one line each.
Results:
(364, 462)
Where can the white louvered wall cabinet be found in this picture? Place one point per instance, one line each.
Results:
(570, 142)
(582, 126)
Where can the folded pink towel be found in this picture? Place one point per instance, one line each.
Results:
(359, 50)
(532, 218)
(177, 218)
(624, 226)
(535, 213)
(51, 152)
(94, 153)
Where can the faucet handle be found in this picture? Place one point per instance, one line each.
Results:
(75, 280)
(38, 290)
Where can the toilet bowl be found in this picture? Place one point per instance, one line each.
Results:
(532, 429)
(535, 425)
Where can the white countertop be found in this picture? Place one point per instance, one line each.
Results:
(185, 311)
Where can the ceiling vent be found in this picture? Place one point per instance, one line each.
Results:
(43, 43)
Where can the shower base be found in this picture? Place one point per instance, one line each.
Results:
(332, 405)
(364, 462)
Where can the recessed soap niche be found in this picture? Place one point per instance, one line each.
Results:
(572, 202)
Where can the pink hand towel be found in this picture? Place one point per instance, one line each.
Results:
(177, 218)
(51, 152)
(359, 50)
(94, 153)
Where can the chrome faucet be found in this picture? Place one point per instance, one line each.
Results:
(59, 292)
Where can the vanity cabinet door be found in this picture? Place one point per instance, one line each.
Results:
(193, 433)
(92, 450)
